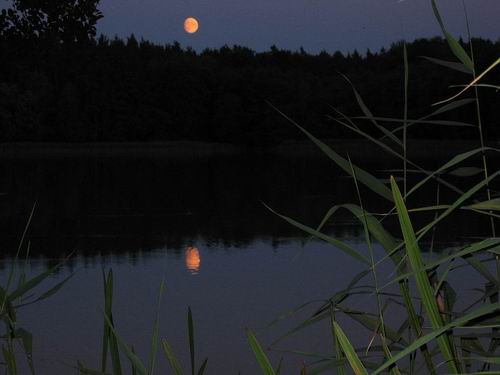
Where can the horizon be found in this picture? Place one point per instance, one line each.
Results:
(315, 27)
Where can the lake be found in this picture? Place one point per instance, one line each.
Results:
(198, 221)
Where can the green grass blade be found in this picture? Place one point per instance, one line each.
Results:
(172, 359)
(306, 323)
(265, 365)
(292, 312)
(472, 83)
(336, 343)
(109, 340)
(313, 232)
(105, 330)
(10, 361)
(13, 268)
(376, 229)
(451, 163)
(373, 325)
(323, 367)
(481, 268)
(154, 335)
(490, 205)
(134, 359)
(32, 283)
(458, 203)
(278, 368)
(27, 340)
(412, 122)
(389, 244)
(363, 176)
(22, 276)
(451, 106)
(449, 64)
(369, 114)
(405, 118)
(463, 253)
(394, 370)
(191, 339)
(82, 370)
(423, 284)
(396, 154)
(465, 171)
(455, 47)
(436, 333)
(415, 323)
(203, 367)
(133, 368)
(351, 355)
(50, 292)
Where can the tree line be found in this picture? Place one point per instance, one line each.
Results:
(59, 82)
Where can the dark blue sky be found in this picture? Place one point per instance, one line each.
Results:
(314, 24)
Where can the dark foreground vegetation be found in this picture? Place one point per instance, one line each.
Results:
(63, 84)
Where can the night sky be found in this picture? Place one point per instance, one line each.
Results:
(312, 24)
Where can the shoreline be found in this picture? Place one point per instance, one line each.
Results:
(417, 148)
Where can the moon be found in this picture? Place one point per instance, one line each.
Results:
(191, 25)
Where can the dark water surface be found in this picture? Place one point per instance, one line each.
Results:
(200, 222)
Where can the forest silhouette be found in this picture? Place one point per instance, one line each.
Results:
(64, 84)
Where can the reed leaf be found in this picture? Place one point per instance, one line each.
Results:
(191, 339)
(329, 365)
(491, 205)
(436, 333)
(32, 283)
(465, 171)
(82, 370)
(337, 243)
(203, 367)
(389, 244)
(455, 47)
(172, 359)
(397, 154)
(445, 108)
(451, 163)
(423, 284)
(363, 176)
(449, 64)
(265, 365)
(463, 253)
(373, 324)
(458, 203)
(27, 340)
(472, 83)
(154, 335)
(132, 357)
(412, 122)
(351, 355)
(369, 114)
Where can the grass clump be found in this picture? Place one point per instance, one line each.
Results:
(435, 336)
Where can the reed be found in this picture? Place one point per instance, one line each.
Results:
(432, 338)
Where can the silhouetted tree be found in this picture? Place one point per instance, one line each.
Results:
(131, 90)
(68, 21)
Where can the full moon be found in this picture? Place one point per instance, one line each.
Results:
(191, 25)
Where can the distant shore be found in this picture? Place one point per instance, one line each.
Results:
(419, 148)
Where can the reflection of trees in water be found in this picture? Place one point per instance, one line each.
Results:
(105, 207)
